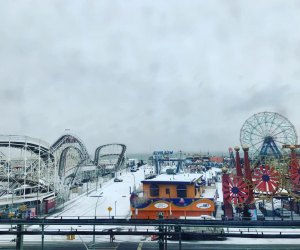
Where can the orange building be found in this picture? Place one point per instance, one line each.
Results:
(173, 196)
(216, 159)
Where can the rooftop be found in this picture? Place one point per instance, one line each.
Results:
(182, 178)
(209, 192)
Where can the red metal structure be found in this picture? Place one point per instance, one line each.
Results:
(238, 162)
(266, 179)
(226, 203)
(294, 170)
(271, 178)
(49, 204)
(248, 175)
(236, 190)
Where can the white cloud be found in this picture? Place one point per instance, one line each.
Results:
(152, 74)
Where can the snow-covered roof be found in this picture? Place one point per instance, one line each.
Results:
(167, 178)
(209, 193)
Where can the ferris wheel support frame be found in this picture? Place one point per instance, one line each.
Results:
(270, 145)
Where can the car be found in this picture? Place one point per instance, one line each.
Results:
(118, 180)
(133, 168)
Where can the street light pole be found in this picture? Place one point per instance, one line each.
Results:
(133, 181)
(115, 208)
(94, 227)
(97, 179)
(170, 202)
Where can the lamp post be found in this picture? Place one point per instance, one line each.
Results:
(170, 202)
(97, 176)
(94, 227)
(115, 208)
(133, 181)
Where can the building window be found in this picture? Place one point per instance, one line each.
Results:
(168, 191)
(154, 190)
(181, 191)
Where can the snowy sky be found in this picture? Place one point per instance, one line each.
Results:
(171, 75)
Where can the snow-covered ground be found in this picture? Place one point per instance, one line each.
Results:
(96, 203)
(116, 195)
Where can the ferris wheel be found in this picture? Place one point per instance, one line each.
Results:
(266, 132)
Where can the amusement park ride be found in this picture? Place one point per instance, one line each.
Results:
(273, 172)
(33, 172)
(38, 175)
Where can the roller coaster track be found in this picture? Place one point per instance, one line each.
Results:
(121, 158)
(61, 147)
(73, 170)
(31, 183)
(14, 184)
(70, 139)
(63, 158)
(37, 146)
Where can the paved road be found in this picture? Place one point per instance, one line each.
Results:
(145, 246)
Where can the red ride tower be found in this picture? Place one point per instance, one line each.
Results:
(238, 162)
(228, 211)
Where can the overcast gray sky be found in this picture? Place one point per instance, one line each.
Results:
(155, 75)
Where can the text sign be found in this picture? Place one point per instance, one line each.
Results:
(203, 205)
(161, 205)
(162, 152)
